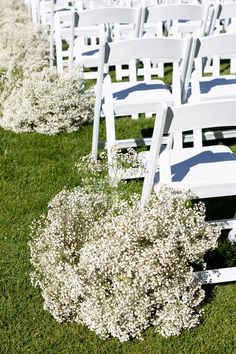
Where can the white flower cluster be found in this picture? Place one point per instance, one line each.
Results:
(125, 163)
(55, 249)
(106, 263)
(33, 96)
(21, 42)
(48, 103)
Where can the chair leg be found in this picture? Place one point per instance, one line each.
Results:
(232, 232)
(96, 122)
(233, 65)
(227, 224)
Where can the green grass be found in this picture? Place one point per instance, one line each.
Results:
(33, 168)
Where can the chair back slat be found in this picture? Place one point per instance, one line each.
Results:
(176, 12)
(201, 115)
(107, 15)
(216, 45)
(171, 49)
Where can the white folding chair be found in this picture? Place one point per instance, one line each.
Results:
(226, 18)
(84, 30)
(98, 25)
(177, 20)
(134, 97)
(47, 13)
(48, 7)
(226, 23)
(216, 86)
(208, 171)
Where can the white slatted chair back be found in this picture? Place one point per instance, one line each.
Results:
(143, 3)
(215, 86)
(108, 15)
(98, 25)
(179, 119)
(226, 19)
(212, 169)
(47, 12)
(226, 23)
(175, 20)
(170, 49)
(46, 7)
(92, 4)
(138, 96)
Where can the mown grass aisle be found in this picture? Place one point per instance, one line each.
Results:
(33, 168)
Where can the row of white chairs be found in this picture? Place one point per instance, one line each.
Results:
(105, 24)
(38, 8)
(136, 22)
(208, 171)
(83, 30)
(188, 83)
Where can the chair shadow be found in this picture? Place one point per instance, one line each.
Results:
(90, 53)
(120, 95)
(180, 170)
(206, 86)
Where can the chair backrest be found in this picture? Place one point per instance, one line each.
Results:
(215, 45)
(48, 7)
(211, 47)
(108, 15)
(210, 114)
(175, 120)
(91, 4)
(90, 27)
(104, 24)
(164, 49)
(168, 50)
(226, 18)
(176, 17)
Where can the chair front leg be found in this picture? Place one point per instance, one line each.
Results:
(232, 232)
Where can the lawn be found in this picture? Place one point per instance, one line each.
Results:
(33, 168)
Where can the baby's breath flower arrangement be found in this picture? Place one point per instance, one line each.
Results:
(103, 262)
(48, 103)
(33, 96)
(139, 272)
(55, 249)
(21, 41)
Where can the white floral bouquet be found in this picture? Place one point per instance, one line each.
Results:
(106, 263)
(33, 96)
(48, 103)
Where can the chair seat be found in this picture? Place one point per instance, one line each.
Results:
(139, 97)
(207, 171)
(217, 88)
(89, 57)
(189, 26)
